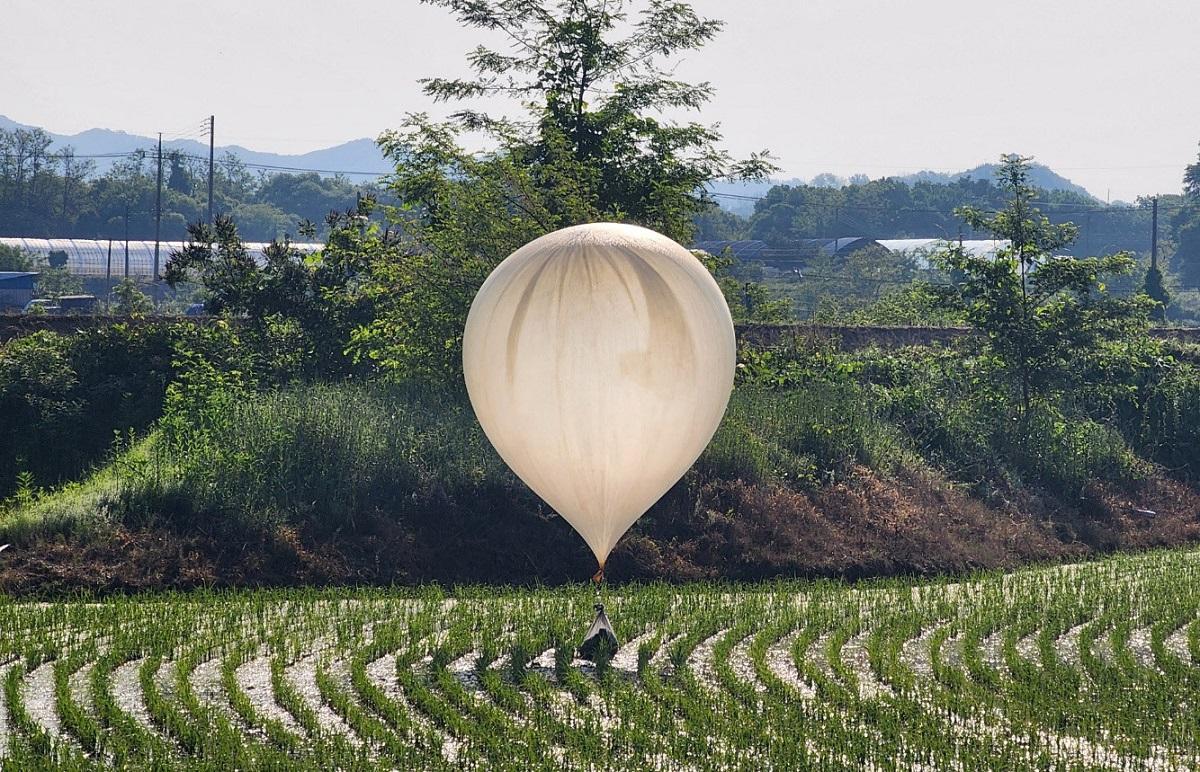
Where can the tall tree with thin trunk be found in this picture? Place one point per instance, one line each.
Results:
(1043, 316)
(590, 86)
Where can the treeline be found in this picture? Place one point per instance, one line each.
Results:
(890, 208)
(55, 194)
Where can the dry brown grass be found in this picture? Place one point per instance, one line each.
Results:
(862, 526)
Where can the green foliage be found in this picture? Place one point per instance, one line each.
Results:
(60, 194)
(890, 208)
(831, 286)
(591, 87)
(1186, 226)
(749, 301)
(801, 438)
(1191, 180)
(313, 300)
(56, 282)
(1186, 261)
(16, 259)
(202, 396)
(592, 149)
(716, 224)
(1169, 432)
(422, 276)
(1046, 318)
(233, 453)
(1155, 289)
(919, 304)
(62, 397)
(322, 454)
(130, 300)
(950, 409)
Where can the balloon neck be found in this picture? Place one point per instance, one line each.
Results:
(598, 577)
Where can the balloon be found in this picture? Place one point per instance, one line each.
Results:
(599, 360)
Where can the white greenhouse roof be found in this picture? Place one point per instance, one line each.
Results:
(89, 257)
(974, 247)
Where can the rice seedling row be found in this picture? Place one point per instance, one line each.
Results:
(1092, 666)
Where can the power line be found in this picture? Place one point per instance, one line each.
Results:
(1052, 206)
(1091, 209)
(191, 156)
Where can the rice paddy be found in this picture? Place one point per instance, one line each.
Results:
(1091, 666)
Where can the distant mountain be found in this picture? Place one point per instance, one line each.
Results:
(1041, 176)
(363, 156)
(359, 155)
(738, 197)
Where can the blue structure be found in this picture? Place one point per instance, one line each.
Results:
(16, 289)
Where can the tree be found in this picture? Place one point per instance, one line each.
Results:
(1186, 261)
(178, 179)
(1044, 317)
(593, 96)
(749, 301)
(131, 301)
(16, 259)
(717, 224)
(1191, 180)
(1187, 253)
(833, 286)
(307, 195)
(315, 293)
(592, 147)
(1155, 289)
(56, 282)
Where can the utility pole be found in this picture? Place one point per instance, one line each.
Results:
(158, 208)
(108, 269)
(127, 241)
(212, 123)
(66, 186)
(1154, 237)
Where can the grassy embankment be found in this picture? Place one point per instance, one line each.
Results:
(827, 463)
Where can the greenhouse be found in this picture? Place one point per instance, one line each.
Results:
(117, 258)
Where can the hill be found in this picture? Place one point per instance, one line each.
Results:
(363, 156)
(738, 197)
(358, 155)
(1041, 176)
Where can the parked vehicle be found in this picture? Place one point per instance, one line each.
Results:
(67, 304)
(42, 306)
(79, 304)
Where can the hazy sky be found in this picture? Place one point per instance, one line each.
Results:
(1107, 93)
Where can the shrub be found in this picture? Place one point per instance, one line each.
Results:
(62, 397)
(324, 454)
(1169, 430)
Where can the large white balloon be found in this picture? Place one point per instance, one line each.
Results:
(599, 360)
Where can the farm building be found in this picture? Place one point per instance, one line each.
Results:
(921, 249)
(100, 258)
(799, 251)
(16, 289)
